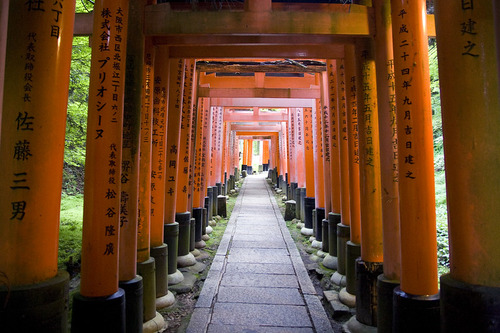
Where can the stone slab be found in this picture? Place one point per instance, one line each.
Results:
(257, 295)
(261, 329)
(318, 315)
(259, 252)
(250, 258)
(186, 285)
(260, 315)
(258, 244)
(259, 268)
(199, 321)
(259, 280)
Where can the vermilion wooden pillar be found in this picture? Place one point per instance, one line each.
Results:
(309, 202)
(158, 249)
(319, 179)
(265, 154)
(102, 196)
(469, 82)
(418, 296)
(369, 266)
(35, 56)
(182, 212)
(386, 94)
(171, 226)
(326, 146)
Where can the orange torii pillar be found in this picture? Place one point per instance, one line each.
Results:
(326, 152)
(225, 156)
(293, 157)
(309, 200)
(331, 85)
(206, 189)
(300, 164)
(349, 237)
(182, 213)
(37, 63)
(319, 177)
(386, 94)
(198, 193)
(159, 249)
(244, 161)
(171, 226)
(250, 157)
(130, 282)
(100, 302)
(416, 301)
(214, 166)
(370, 265)
(146, 263)
(283, 153)
(265, 155)
(470, 293)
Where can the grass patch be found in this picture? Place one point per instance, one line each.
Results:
(70, 232)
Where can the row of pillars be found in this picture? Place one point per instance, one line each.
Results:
(155, 172)
(359, 165)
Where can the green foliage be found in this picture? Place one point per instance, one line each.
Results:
(76, 121)
(440, 179)
(70, 233)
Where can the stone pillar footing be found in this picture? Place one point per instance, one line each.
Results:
(469, 308)
(290, 209)
(186, 260)
(416, 313)
(366, 291)
(333, 220)
(26, 305)
(330, 261)
(165, 301)
(175, 278)
(385, 291)
(184, 220)
(326, 239)
(133, 303)
(347, 298)
(102, 314)
(221, 205)
(338, 279)
(156, 324)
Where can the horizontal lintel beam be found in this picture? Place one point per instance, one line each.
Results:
(258, 93)
(263, 102)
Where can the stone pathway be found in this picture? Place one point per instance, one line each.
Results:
(257, 281)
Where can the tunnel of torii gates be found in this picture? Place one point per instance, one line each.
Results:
(346, 131)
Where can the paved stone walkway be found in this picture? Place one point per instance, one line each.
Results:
(257, 281)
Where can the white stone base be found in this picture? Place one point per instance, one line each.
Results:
(338, 279)
(346, 298)
(157, 324)
(205, 237)
(317, 244)
(209, 230)
(175, 278)
(306, 231)
(354, 326)
(330, 262)
(165, 301)
(201, 244)
(186, 260)
(196, 252)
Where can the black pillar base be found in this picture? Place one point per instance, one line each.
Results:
(293, 191)
(99, 314)
(147, 270)
(353, 252)
(41, 307)
(171, 238)
(209, 204)
(221, 205)
(343, 236)
(160, 268)
(297, 203)
(366, 285)
(309, 204)
(385, 292)
(333, 221)
(302, 199)
(320, 216)
(469, 308)
(183, 244)
(215, 194)
(326, 239)
(133, 304)
(192, 226)
(198, 218)
(416, 313)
